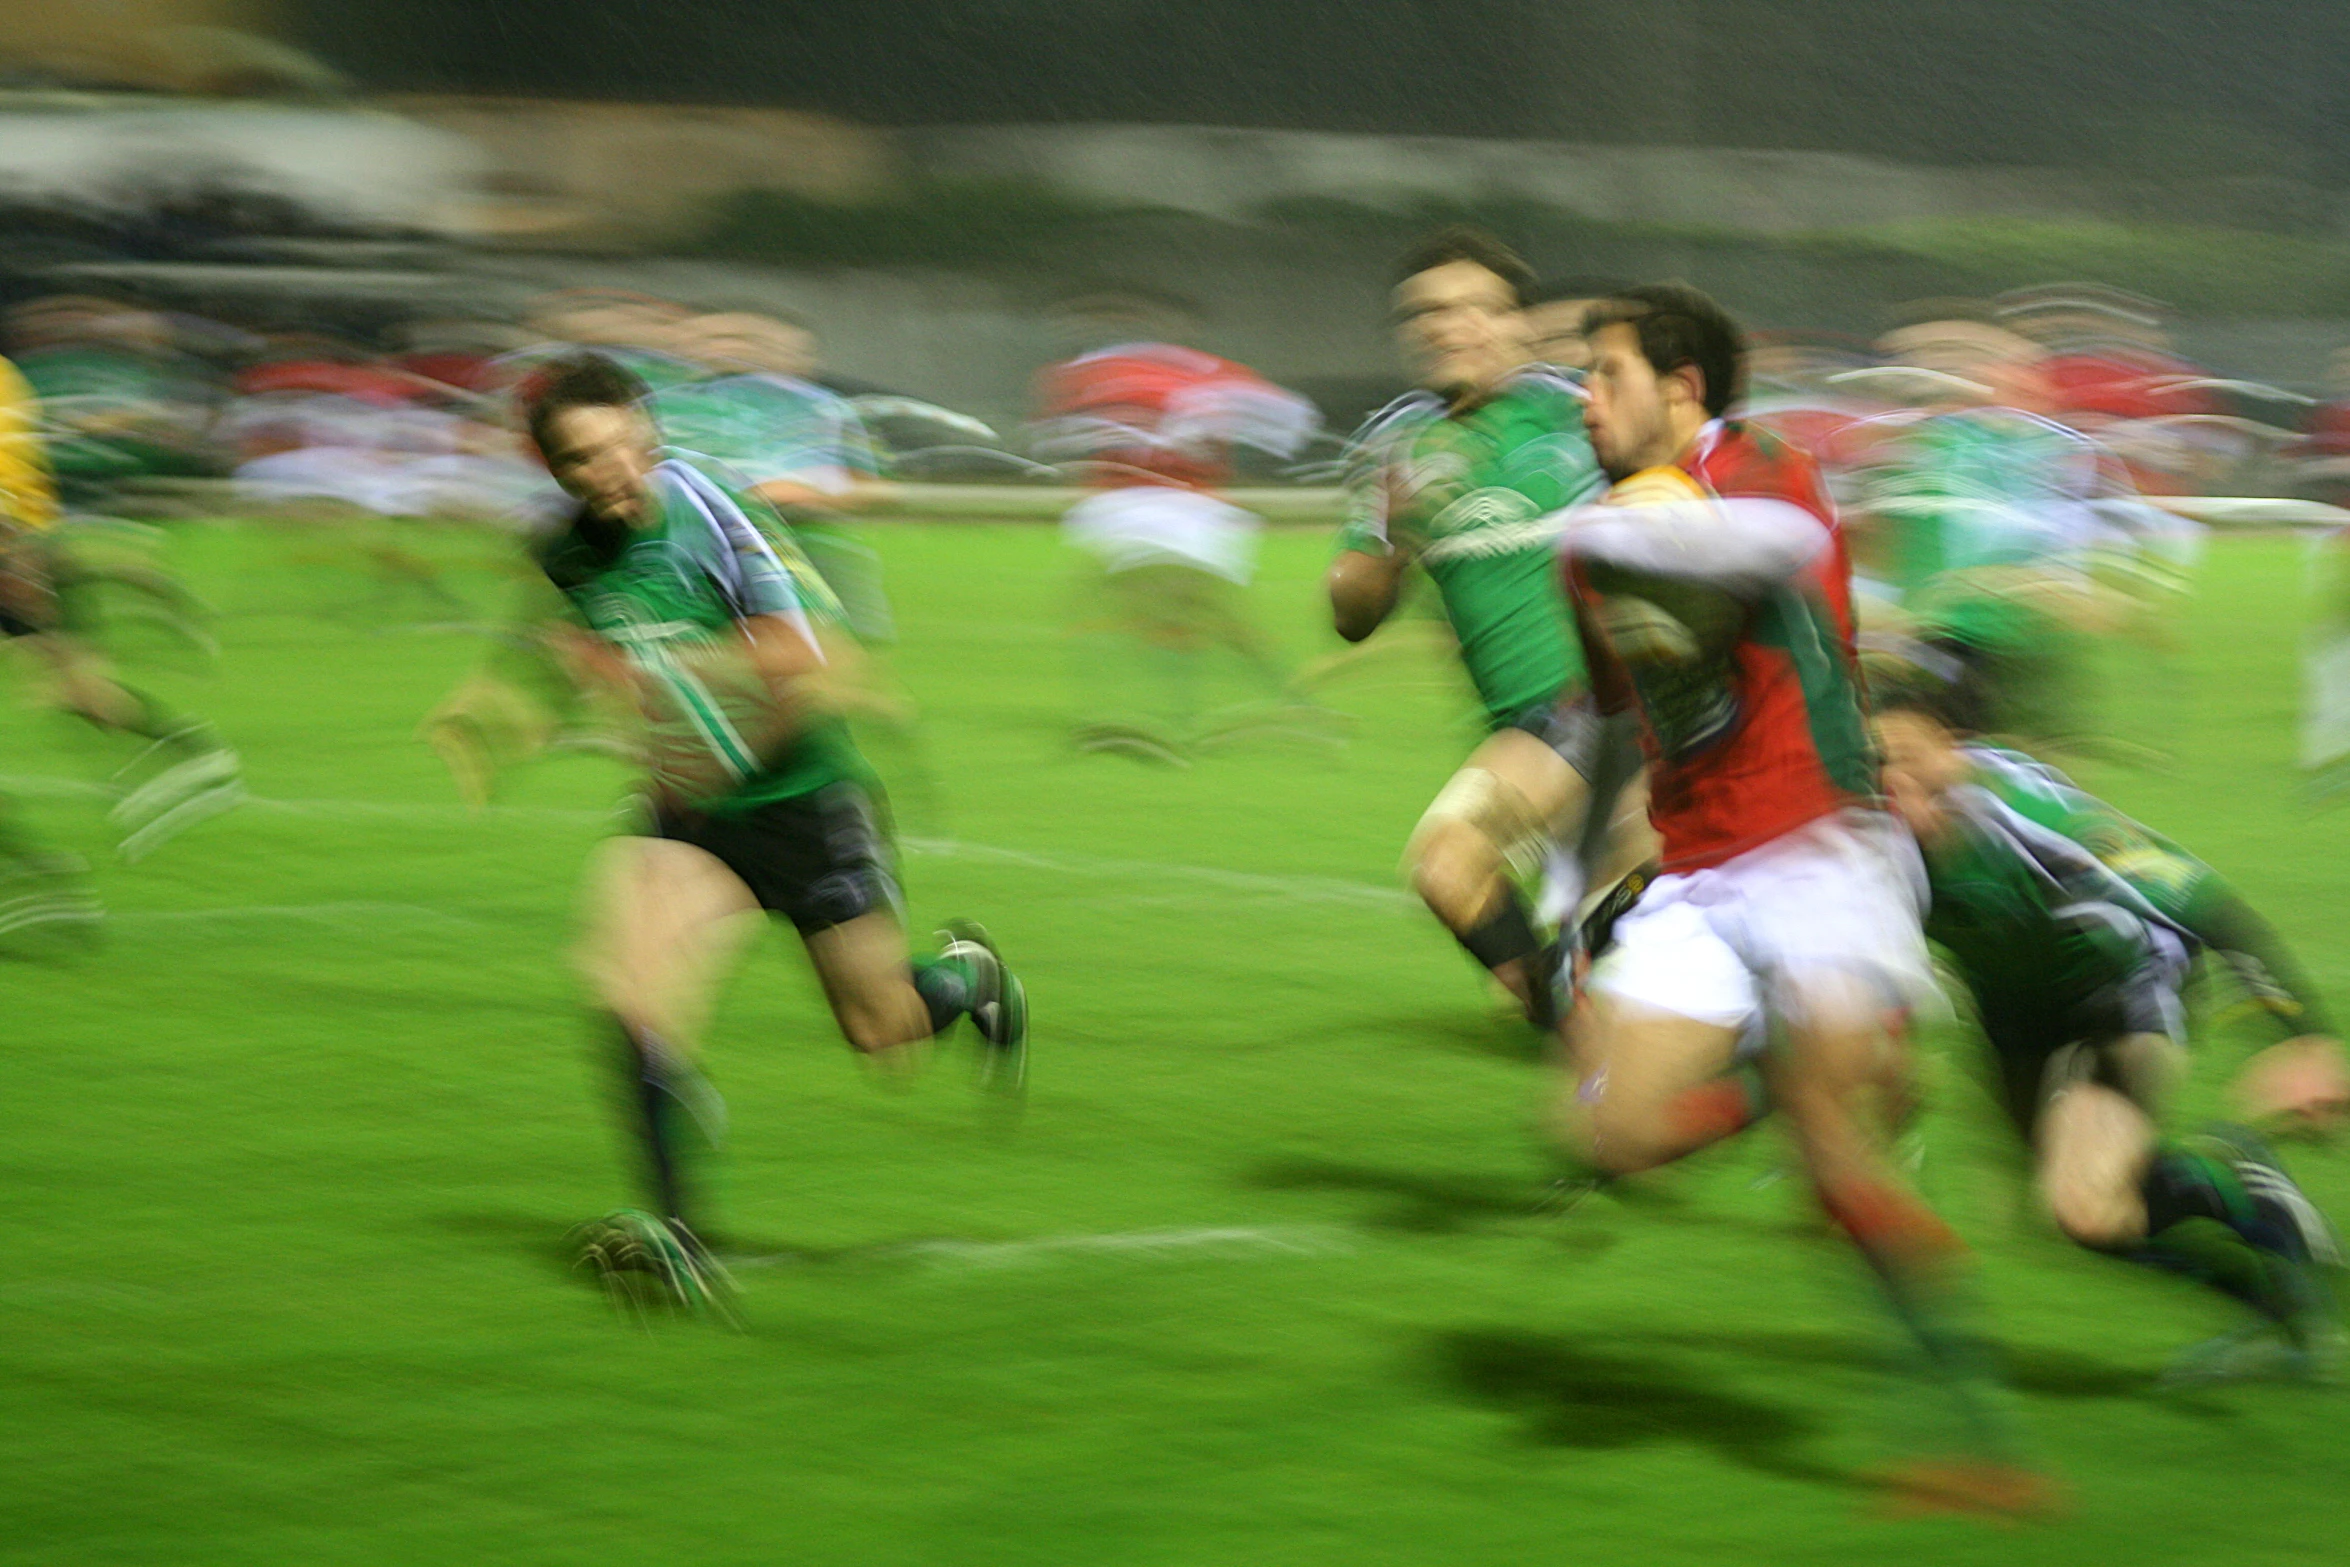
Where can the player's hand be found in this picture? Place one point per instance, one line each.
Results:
(2299, 1087)
(592, 663)
(482, 728)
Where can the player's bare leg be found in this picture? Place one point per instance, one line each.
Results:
(665, 922)
(2114, 1185)
(1641, 1090)
(1826, 1078)
(871, 989)
(1514, 795)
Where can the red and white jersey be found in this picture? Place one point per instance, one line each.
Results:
(1768, 733)
(1153, 413)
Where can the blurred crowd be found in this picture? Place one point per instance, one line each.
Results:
(2019, 475)
(414, 417)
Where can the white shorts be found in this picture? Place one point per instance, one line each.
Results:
(1824, 916)
(1159, 524)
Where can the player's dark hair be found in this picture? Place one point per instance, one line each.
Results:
(1575, 285)
(1678, 325)
(1473, 245)
(1923, 695)
(581, 380)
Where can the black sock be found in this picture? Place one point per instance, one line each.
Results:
(661, 1091)
(945, 988)
(1507, 936)
(1503, 936)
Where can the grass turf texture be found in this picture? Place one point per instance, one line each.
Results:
(293, 1150)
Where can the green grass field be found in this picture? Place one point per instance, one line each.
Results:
(292, 1151)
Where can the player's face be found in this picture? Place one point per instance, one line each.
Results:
(1554, 331)
(603, 458)
(792, 350)
(1461, 329)
(1922, 762)
(1628, 415)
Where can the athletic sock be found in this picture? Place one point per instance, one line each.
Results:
(1719, 1107)
(1506, 935)
(1925, 1273)
(945, 986)
(2180, 1186)
(673, 1111)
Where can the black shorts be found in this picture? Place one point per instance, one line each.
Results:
(28, 589)
(2039, 1053)
(820, 860)
(1580, 735)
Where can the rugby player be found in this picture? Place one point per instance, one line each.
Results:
(676, 606)
(2074, 970)
(801, 446)
(1554, 320)
(1457, 478)
(1988, 511)
(1714, 601)
(185, 773)
(1157, 428)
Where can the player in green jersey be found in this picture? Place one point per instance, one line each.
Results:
(801, 446)
(1457, 479)
(2074, 974)
(1991, 518)
(2301, 1080)
(677, 609)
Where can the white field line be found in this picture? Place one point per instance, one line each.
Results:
(1316, 889)
(1230, 1240)
(294, 911)
(1320, 889)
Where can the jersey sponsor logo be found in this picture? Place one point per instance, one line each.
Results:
(1485, 542)
(1491, 507)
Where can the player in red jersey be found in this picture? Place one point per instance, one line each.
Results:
(1714, 595)
(1155, 429)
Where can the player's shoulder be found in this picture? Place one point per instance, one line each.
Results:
(1745, 458)
(1548, 384)
(563, 550)
(2018, 768)
(1398, 418)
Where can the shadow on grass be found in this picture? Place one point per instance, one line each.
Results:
(1421, 1202)
(1571, 1395)
(2035, 1370)
(1434, 1203)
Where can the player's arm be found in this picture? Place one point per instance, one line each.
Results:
(2302, 1082)
(843, 492)
(1675, 580)
(1363, 590)
(515, 700)
(1366, 578)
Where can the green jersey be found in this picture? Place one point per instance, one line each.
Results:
(770, 427)
(2183, 889)
(2034, 922)
(1467, 494)
(1973, 494)
(672, 598)
(2158, 870)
